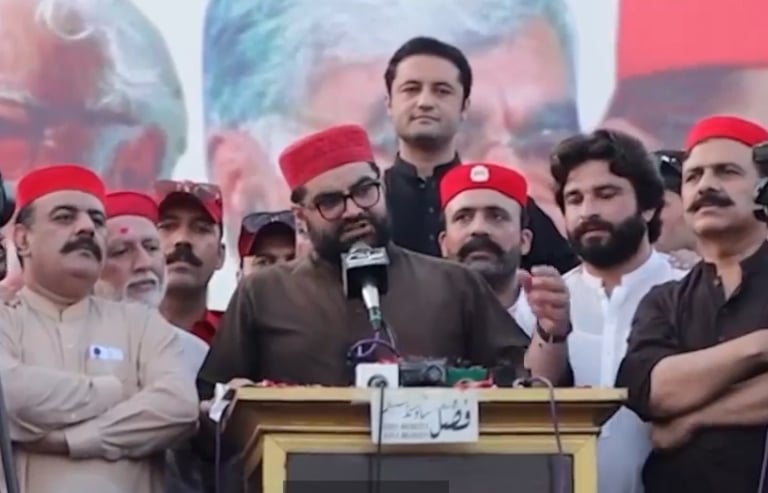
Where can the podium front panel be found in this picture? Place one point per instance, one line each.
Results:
(438, 473)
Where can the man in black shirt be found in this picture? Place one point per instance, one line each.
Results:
(428, 88)
(698, 351)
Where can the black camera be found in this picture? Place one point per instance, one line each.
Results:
(423, 372)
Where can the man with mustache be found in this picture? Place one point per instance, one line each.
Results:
(95, 388)
(298, 312)
(696, 363)
(486, 230)
(191, 229)
(428, 85)
(135, 269)
(610, 191)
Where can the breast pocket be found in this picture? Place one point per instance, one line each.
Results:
(110, 359)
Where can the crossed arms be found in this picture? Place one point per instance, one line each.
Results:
(55, 411)
(723, 385)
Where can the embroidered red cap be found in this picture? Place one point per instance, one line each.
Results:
(483, 176)
(663, 35)
(207, 195)
(726, 127)
(43, 181)
(324, 151)
(129, 203)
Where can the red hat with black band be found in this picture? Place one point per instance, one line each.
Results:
(728, 127)
(483, 176)
(323, 151)
(43, 181)
(129, 203)
(206, 195)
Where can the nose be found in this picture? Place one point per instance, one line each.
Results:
(142, 261)
(426, 99)
(478, 226)
(85, 226)
(351, 209)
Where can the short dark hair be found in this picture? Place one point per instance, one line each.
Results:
(423, 45)
(627, 157)
(25, 216)
(299, 193)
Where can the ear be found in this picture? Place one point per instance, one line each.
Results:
(21, 240)
(301, 218)
(465, 109)
(441, 242)
(526, 240)
(222, 256)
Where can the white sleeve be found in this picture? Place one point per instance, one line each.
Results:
(523, 315)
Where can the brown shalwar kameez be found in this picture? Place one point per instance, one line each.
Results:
(293, 323)
(110, 376)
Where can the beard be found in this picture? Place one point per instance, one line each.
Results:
(328, 243)
(497, 271)
(622, 242)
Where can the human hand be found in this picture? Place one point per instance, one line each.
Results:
(234, 384)
(548, 298)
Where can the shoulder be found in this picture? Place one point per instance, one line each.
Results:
(435, 265)
(573, 276)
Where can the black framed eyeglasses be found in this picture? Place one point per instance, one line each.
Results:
(331, 206)
(254, 222)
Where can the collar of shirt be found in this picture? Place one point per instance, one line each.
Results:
(755, 264)
(404, 168)
(43, 305)
(205, 328)
(650, 268)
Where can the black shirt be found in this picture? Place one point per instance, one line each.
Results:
(414, 210)
(689, 315)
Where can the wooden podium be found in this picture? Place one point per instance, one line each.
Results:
(270, 424)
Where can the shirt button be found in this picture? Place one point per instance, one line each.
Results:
(431, 210)
(422, 185)
(432, 237)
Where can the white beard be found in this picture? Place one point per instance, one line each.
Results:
(152, 299)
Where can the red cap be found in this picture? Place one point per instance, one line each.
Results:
(42, 181)
(726, 127)
(661, 35)
(127, 203)
(207, 195)
(324, 151)
(483, 176)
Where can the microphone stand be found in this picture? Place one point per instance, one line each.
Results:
(6, 449)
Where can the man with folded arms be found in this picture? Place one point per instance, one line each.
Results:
(95, 388)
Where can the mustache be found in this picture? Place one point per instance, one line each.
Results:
(86, 243)
(710, 199)
(480, 243)
(183, 253)
(592, 224)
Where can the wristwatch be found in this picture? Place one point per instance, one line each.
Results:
(552, 338)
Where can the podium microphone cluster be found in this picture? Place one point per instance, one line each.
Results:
(364, 270)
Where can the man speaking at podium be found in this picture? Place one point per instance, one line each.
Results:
(294, 323)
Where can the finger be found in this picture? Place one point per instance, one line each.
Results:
(524, 280)
(545, 271)
(555, 284)
(548, 298)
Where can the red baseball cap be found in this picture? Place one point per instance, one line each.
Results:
(207, 195)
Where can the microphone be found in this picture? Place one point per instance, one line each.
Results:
(365, 277)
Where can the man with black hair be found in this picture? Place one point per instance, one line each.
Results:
(266, 238)
(429, 84)
(676, 238)
(695, 366)
(610, 191)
